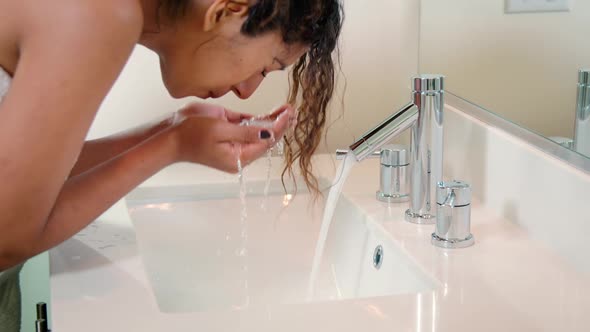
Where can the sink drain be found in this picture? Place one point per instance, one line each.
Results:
(378, 257)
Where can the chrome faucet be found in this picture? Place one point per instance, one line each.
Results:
(582, 133)
(425, 116)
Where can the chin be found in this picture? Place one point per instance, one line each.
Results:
(178, 90)
(178, 93)
(173, 91)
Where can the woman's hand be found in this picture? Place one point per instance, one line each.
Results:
(211, 111)
(213, 136)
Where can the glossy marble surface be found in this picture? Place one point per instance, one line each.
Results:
(512, 279)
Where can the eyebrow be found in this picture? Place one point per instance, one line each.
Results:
(281, 63)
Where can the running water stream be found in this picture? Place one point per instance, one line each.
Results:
(339, 180)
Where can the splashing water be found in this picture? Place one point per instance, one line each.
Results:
(339, 180)
(244, 210)
(242, 251)
(267, 183)
(265, 123)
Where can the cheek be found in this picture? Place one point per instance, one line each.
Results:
(227, 71)
(208, 70)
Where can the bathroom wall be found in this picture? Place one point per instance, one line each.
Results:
(379, 56)
(521, 66)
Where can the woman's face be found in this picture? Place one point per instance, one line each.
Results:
(206, 55)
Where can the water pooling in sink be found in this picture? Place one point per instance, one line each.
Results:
(335, 190)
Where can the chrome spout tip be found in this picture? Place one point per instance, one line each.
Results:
(429, 83)
(341, 154)
(361, 149)
(584, 76)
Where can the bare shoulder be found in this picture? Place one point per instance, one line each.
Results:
(69, 53)
(117, 19)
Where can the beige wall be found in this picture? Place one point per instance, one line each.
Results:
(521, 66)
(379, 56)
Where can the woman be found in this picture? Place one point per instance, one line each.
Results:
(59, 59)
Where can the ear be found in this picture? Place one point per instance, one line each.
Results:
(221, 9)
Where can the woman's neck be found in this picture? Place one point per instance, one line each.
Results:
(151, 22)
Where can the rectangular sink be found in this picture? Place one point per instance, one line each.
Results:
(196, 259)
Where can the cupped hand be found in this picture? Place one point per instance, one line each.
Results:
(211, 111)
(212, 135)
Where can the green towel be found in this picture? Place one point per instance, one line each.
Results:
(10, 300)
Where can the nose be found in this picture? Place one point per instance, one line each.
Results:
(246, 88)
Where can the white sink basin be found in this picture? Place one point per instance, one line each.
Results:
(193, 252)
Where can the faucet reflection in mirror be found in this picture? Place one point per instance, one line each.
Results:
(425, 116)
(582, 131)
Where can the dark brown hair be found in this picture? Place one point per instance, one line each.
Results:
(316, 24)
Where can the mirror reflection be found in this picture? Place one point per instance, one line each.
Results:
(527, 61)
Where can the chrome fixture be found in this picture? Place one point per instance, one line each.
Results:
(567, 143)
(341, 154)
(453, 218)
(582, 131)
(394, 175)
(425, 115)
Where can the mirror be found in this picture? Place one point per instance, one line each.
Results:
(518, 59)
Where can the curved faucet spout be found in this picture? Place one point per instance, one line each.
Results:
(425, 116)
(390, 128)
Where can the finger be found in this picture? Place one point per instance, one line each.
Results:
(289, 112)
(282, 123)
(278, 112)
(252, 151)
(236, 117)
(230, 132)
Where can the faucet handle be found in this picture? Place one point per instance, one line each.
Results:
(394, 171)
(453, 217)
(394, 155)
(453, 194)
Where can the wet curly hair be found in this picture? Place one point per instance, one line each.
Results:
(316, 24)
